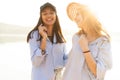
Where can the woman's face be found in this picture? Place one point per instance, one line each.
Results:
(48, 16)
(78, 19)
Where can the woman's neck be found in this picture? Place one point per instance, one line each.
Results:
(49, 30)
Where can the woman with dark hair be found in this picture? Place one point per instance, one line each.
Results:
(47, 45)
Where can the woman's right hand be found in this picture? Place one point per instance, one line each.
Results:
(83, 43)
(42, 31)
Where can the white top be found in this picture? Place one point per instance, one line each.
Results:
(76, 67)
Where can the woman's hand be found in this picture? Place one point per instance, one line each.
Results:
(83, 43)
(42, 31)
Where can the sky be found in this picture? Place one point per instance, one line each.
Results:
(26, 12)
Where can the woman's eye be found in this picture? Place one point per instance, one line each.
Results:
(44, 13)
(50, 13)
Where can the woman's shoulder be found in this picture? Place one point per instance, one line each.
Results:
(103, 38)
(77, 34)
(101, 41)
(75, 37)
(34, 33)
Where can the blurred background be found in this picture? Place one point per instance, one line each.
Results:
(18, 17)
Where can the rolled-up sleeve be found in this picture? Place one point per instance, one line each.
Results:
(35, 51)
(104, 60)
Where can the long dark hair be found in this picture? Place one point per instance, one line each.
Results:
(56, 27)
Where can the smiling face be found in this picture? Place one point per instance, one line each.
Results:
(74, 14)
(78, 19)
(72, 10)
(48, 16)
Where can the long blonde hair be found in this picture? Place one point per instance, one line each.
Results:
(89, 21)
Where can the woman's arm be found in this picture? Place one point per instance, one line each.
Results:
(42, 32)
(88, 57)
(35, 50)
(90, 62)
(102, 62)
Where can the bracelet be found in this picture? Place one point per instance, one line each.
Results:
(86, 51)
(43, 52)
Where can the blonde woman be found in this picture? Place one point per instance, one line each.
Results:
(90, 56)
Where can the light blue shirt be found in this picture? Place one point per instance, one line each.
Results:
(76, 67)
(43, 66)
